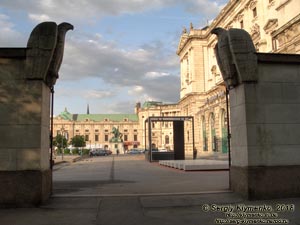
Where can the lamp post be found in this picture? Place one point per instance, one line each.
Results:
(62, 143)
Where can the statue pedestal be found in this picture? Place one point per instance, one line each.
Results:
(114, 146)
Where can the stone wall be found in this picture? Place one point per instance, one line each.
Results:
(26, 77)
(265, 128)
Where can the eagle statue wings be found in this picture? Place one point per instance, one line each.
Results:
(236, 56)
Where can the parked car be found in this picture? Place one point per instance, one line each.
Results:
(100, 152)
(109, 152)
(134, 151)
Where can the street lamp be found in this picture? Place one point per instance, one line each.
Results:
(62, 143)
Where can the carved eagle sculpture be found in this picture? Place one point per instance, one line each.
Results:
(58, 53)
(236, 56)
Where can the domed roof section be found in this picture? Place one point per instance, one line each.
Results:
(149, 104)
(65, 115)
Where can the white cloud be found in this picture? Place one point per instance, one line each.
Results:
(9, 36)
(136, 90)
(119, 67)
(97, 94)
(207, 8)
(39, 17)
(90, 9)
(153, 75)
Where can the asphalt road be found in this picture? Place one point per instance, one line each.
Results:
(131, 175)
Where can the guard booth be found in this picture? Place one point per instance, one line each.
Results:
(178, 138)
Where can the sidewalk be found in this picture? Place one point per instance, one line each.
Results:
(66, 158)
(202, 209)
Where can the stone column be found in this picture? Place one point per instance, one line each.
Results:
(26, 76)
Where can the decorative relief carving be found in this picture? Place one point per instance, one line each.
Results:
(255, 31)
(239, 17)
(271, 25)
(271, 3)
(287, 36)
(251, 4)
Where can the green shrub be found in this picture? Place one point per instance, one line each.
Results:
(66, 151)
(85, 151)
(75, 151)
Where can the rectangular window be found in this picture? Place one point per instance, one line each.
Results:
(125, 137)
(106, 131)
(77, 131)
(135, 137)
(134, 130)
(86, 130)
(86, 137)
(97, 131)
(96, 137)
(125, 131)
(105, 137)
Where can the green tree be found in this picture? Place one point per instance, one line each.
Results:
(60, 141)
(78, 141)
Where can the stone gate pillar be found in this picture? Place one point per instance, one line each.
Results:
(264, 117)
(265, 128)
(26, 76)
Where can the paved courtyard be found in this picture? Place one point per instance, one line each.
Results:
(131, 174)
(130, 191)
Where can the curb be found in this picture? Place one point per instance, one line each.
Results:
(71, 161)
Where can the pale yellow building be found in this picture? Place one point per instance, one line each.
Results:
(274, 26)
(162, 132)
(97, 129)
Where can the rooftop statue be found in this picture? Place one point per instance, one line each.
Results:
(45, 49)
(236, 56)
(58, 54)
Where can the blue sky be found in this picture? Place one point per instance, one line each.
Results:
(120, 52)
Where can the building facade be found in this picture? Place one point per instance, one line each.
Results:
(274, 26)
(97, 129)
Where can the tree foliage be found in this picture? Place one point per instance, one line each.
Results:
(78, 141)
(60, 141)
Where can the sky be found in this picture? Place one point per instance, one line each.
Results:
(120, 52)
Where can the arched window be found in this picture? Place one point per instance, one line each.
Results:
(213, 138)
(204, 138)
(223, 122)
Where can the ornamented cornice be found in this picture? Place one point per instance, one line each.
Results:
(271, 25)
